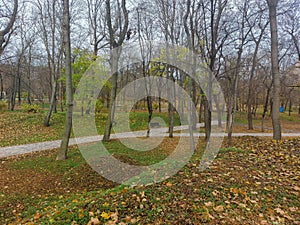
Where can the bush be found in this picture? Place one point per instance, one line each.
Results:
(31, 108)
(3, 106)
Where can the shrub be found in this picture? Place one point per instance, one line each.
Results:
(31, 108)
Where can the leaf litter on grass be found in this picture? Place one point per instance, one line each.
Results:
(259, 184)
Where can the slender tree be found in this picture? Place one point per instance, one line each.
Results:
(272, 4)
(50, 24)
(62, 154)
(243, 32)
(257, 40)
(114, 43)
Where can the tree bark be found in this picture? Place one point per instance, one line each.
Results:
(1, 87)
(265, 109)
(62, 154)
(275, 69)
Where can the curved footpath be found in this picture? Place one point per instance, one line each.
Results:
(157, 132)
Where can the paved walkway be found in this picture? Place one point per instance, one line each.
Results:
(156, 132)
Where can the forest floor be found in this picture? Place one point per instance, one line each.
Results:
(256, 181)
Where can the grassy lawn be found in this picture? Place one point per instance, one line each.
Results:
(254, 182)
(288, 123)
(20, 127)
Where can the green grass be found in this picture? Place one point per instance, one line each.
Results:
(294, 117)
(139, 120)
(136, 157)
(20, 127)
(241, 117)
(49, 164)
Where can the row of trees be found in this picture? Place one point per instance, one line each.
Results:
(251, 48)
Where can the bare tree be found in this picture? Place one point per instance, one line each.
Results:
(117, 34)
(97, 20)
(50, 24)
(243, 33)
(291, 25)
(214, 34)
(7, 30)
(262, 25)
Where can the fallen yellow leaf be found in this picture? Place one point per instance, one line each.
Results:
(105, 215)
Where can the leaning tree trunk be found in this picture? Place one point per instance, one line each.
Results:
(62, 154)
(275, 69)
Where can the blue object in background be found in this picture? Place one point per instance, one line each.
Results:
(281, 109)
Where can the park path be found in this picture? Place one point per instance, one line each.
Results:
(156, 132)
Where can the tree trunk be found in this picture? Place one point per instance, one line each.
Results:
(265, 110)
(13, 93)
(149, 100)
(19, 90)
(275, 69)
(29, 77)
(290, 106)
(62, 154)
(171, 98)
(202, 99)
(250, 87)
(111, 107)
(52, 104)
(114, 44)
(1, 87)
(190, 115)
(194, 99)
(219, 111)
(150, 112)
